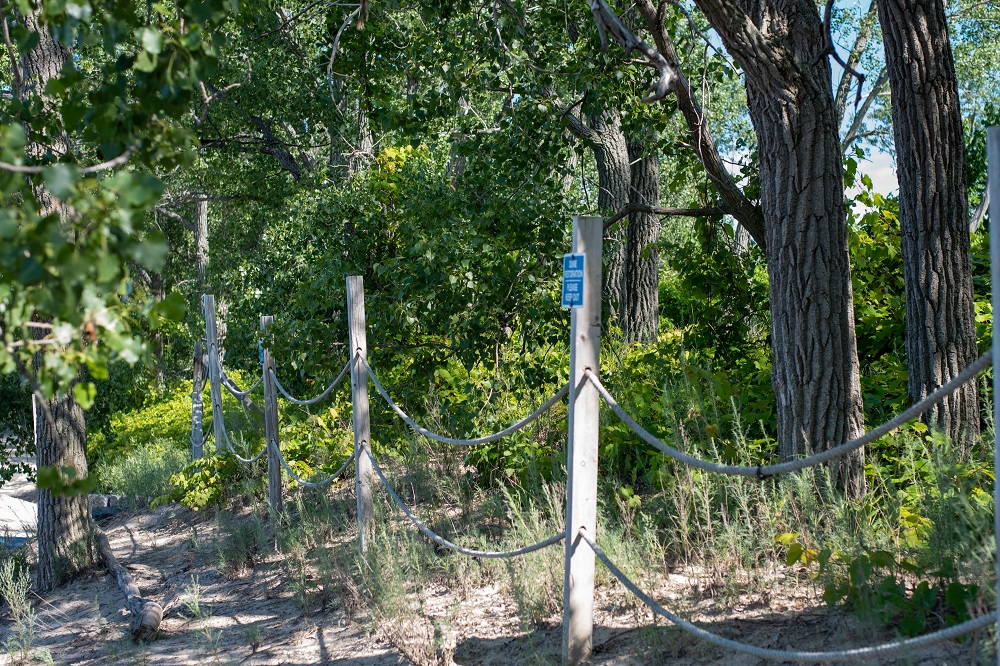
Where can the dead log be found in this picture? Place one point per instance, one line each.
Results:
(146, 613)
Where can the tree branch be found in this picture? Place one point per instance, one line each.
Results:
(980, 212)
(174, 216)
(110, 164)
(14, 66)
(830, 48)
(712, 211)
(860, 44)
(607, 20)
(737, 204)
(288, 21)
(859, 117)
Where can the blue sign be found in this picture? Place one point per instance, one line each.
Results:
(572, 287)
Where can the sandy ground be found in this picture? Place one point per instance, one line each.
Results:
(254, 619)
(250, 620)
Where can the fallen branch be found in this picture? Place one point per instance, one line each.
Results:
(146, 613)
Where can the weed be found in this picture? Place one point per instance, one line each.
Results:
(211, 638)
(242, 544)
(14, 585)
(253, 638)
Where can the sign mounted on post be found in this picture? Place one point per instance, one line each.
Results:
(572, 286)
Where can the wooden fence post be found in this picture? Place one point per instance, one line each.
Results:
(359, 400)
(271, 426)
(584, 422)
(993, 161)
(197, 403)
(214, 370)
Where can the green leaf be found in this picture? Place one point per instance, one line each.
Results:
(152, 40)
(85, 393)
(794, 553)
(786, 538)
(150, 253)
(60, 180)
(146, 61)
(98, 368)
(172, 307)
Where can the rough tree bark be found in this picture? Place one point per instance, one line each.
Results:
(640, 307)
(815, 375)
(607, 140)
(933, 210)
(63, 535)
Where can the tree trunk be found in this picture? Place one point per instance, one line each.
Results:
(640, 310)
(933, 211)
(63, 536)
(815, 374)
(364, 147)
(201, 241)
(611, 155)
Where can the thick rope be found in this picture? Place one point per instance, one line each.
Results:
(855, 654)
(832, 453)
(229, 444)
(311, 484)
(463, 442)
(234, 389)
(222, 422)
(312, 401)
(441, 541)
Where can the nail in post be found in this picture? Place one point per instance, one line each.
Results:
(359, 398)
(581, 482)
(271, 426)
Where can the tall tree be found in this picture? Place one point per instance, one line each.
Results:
(933, 210)
(60, 423)
(780, 46)
(640, 306)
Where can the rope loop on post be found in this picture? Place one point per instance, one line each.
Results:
(311, 484)
(233, 388)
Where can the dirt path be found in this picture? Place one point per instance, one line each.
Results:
(208, 618)
(255, 619)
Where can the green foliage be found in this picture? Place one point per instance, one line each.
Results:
(63, 481)
(879, 298)
(15, 581)
(937, 517)
(205, 482)
(131, 76)
(164, 422)
(243, 543)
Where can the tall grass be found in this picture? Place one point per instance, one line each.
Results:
(142, 473)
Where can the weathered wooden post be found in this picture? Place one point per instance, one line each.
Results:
(993, 157)
(214, 370)
(271, 425)
(359, 401)
(584, 422)
(197, 403)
